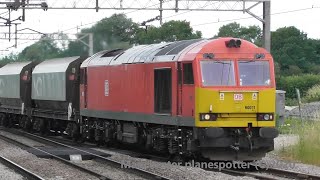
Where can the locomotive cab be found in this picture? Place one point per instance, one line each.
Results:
(235, 101)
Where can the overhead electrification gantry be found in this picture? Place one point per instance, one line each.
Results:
(244, 6)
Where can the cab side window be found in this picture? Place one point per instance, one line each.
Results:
(188, 74)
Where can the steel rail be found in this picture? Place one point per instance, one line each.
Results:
(290, 174)
(21, 170)
(243, 173)
(274, 172)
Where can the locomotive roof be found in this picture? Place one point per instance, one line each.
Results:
(140, 54)
(13, 68)
(54, 65)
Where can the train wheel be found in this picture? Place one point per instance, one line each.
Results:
(22, 122)
(56, 127)
(9, 121)
(2, 117)
(5, 121)
(49, 127)
(28, 124)
(178, 159)
(42, 127)
(75, 133)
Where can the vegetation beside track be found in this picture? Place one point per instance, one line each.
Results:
(307, 149)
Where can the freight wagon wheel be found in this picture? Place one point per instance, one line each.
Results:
(2, 116)
(28, 124)
(5, 121)
(75, 133)
(9, 121)
(56, 128)
(22, 122)
(42, 127)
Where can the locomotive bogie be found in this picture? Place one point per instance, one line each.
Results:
(160, 138)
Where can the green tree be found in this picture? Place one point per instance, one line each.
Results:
(168, 32)
(113, 32)
(295, 52)
(44, 49)
(148, 36)
(251, 33)
(9, 58)
(178, 30)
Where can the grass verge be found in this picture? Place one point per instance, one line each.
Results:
(307, 150)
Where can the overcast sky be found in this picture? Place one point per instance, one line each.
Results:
(284, 13)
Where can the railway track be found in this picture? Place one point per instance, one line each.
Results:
(128, 168)
(256, 172)
(290, 174)
(270, 173)
(248, 174)
(21, 170)
(25, 146)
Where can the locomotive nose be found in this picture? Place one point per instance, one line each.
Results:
(217, 108)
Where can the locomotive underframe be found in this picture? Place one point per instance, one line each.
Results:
(161, 138)
(227, 144)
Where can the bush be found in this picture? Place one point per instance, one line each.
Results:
(313, 94)
(302, 82)
(307, 149)
(292, 102)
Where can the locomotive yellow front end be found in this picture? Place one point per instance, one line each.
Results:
(235, 102)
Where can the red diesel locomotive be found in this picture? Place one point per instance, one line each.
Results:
(213, 97)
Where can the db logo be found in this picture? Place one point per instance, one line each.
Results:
(238, 97)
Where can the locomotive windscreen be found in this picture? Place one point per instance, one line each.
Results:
(217, 73)
(254, 73)
(222, 73)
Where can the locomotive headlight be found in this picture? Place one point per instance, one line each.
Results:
(265, 117)
(208, 117)
(233, 43)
